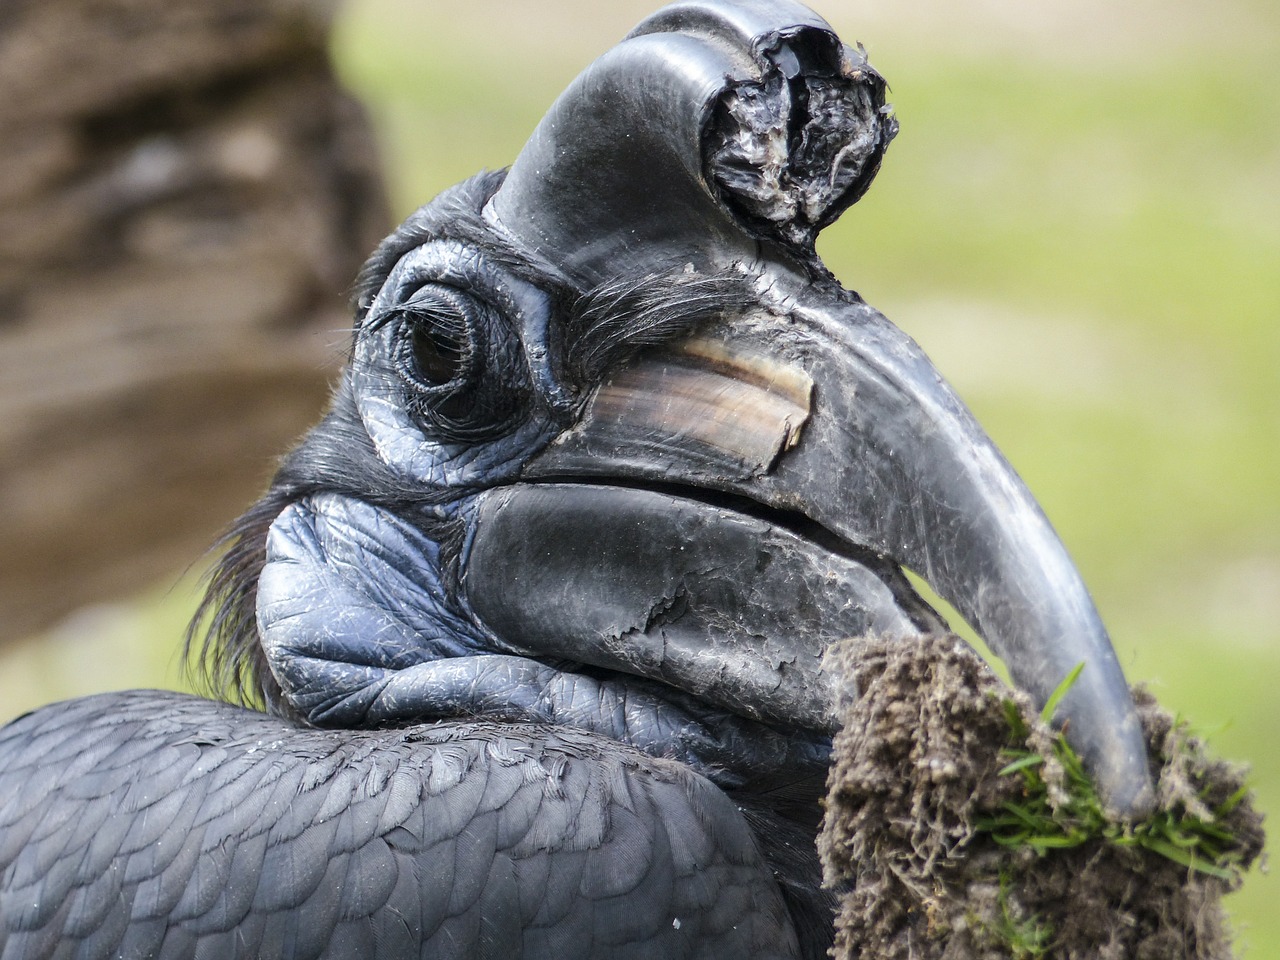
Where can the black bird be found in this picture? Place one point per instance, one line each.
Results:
(538, 611)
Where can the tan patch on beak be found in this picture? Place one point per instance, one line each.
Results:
(709, 393)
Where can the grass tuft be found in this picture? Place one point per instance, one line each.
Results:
(1051, 815)
(1026, 937)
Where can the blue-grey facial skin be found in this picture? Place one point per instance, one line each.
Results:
(361, 630)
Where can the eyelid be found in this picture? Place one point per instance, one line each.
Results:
(428, 286)
(409, 294)
(431, 320)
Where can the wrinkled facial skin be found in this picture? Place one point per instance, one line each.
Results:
(615, 450)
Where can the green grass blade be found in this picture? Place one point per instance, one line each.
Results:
(1188, 860)
(1030, 760)
(1069, 681)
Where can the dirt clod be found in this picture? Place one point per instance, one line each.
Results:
(917, 782)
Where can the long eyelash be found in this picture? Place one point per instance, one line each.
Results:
(623, 315)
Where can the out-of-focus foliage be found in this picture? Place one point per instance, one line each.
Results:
(1080, 222)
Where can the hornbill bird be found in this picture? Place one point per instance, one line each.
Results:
(539, 609)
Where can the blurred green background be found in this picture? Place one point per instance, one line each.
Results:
(1080, 223)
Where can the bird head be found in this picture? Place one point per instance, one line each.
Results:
(609, 413)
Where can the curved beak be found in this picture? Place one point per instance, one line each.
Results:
(724, 136)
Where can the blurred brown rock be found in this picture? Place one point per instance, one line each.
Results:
(185, 197)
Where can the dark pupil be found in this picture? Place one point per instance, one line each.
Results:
(438, 353)
(436, 346)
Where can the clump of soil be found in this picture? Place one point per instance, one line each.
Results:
(916, 784)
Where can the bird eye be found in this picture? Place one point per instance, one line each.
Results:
(436, 352)
(439, 354)
(438, 366)
(452, 352)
